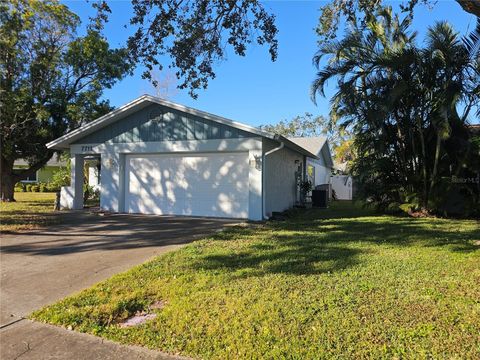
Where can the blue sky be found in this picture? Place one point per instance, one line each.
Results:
(252, 89)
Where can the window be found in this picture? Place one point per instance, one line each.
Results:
(311, 174)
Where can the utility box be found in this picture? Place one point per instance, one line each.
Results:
(320, 198)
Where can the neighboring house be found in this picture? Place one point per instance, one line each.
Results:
(158, 157)
(45, 174)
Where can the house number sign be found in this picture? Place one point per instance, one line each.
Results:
(87, 148)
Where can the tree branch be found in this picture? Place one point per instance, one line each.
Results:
(23, 174)
(470, 6)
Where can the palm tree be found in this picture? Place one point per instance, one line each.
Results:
(367, 87)
(402, 102)
(472, 41)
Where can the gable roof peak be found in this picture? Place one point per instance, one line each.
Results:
(142, 101)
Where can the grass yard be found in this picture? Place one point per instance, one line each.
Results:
(337, 283)
(31, 210)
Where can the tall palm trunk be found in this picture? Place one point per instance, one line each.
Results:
(424, 164)
(433, 178)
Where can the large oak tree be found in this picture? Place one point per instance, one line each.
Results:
(51, 81)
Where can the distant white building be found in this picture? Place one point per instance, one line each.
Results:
(342, 185)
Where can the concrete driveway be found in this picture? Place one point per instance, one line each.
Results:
(41, 267)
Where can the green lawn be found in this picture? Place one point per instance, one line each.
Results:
(31, 210)
(337, 283)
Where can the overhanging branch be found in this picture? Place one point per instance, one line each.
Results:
(25, 173)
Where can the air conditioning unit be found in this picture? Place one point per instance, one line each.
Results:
(320, 198)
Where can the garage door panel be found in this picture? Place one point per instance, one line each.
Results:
(199, 185)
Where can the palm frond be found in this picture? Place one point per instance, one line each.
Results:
(472, 41)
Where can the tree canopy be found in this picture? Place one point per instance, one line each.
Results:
(359, 12)
(306, 125)
(194, 35)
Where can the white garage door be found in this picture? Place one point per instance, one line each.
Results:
(196, 184)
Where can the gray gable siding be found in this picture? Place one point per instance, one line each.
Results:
(159, 123)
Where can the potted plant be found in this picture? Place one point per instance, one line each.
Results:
(305, 188)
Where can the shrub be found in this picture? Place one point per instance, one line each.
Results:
(88, 192)
(305, 188)
(28, 187)
(35, 188)
(61, 177)
(408, 207)
(393, 208)
(51, 187)
(19, 187)
(96, 194)
(43, 187)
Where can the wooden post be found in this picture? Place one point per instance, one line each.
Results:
(57, 201)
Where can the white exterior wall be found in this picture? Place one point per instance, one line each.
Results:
(280, 183)
(112, 193)
(67, 197)
(93, 177)
(76, 168)
(322, 173)
(255, 202)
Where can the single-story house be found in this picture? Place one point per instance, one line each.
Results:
(159, 157)
(43, 175)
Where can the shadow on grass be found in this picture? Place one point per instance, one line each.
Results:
(9, 214)
(27, 217)
(318, 241)
(388, 230)
(301, 257)
(312, 241)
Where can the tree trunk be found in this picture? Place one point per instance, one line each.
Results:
(7, 180)
(7, 189)
(435, 164)
(424, 165)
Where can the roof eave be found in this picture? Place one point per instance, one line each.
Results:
(330, 158)
(64, 141)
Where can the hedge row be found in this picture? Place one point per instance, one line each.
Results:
(40, 187)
